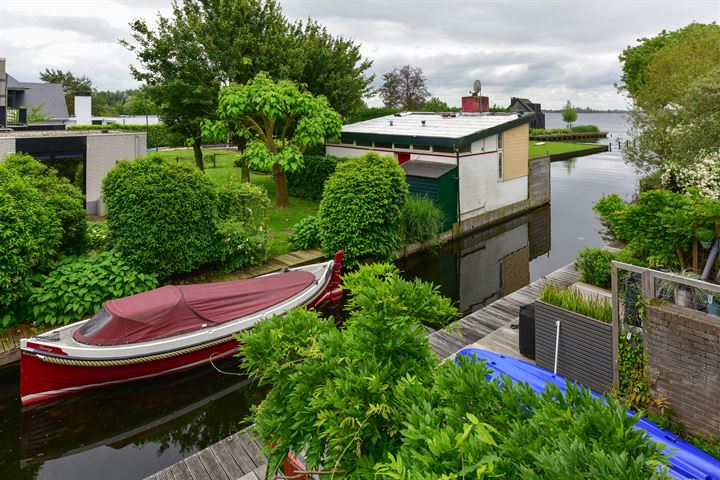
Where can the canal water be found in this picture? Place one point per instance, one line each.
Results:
(135, 430)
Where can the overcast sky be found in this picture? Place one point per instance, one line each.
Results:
(548, 51)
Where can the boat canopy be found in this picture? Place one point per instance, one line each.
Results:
(177, 309)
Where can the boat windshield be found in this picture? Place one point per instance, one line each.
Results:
(96, 323)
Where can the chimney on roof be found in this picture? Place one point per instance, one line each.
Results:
(475, 103)
(83, 109)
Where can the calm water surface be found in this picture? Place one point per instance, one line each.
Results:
(134, 430)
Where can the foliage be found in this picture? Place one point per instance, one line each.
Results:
(41, 216)
(368, 113)
(368, 401)
(651, 181)
(576, 302)
(97, 236)
(572, 129)
(702, 175)
(162, 217)
(404, 88)
(72, 84)
(241, 244)
(437, 105)
(158, 135)
(309, 181)
(78, 286)
(360, 211)
(281, 122)
(632, 366)
(594, 265)
(36, 114)
(306, 234)
(421, 219)
(569, 114)
(660, 226)
(351, 409)
(243, 201)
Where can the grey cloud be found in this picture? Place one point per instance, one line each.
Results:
(97, 29)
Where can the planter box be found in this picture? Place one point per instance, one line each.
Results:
(585, 353)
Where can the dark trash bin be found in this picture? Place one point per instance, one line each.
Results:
(526, 330)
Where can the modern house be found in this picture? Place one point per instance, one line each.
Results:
(474, 164)
(18, 99)
(526, 106)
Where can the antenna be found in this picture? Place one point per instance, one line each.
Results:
(476, 88)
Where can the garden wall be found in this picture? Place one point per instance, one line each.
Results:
(683, 349)
(585, 353)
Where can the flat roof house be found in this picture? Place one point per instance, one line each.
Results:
(474, 164)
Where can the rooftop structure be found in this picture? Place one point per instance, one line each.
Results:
(18, 98)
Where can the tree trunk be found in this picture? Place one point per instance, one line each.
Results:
(197, 150)
(241, 143)
(281, 189)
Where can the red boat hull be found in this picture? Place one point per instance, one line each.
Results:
(41, 380)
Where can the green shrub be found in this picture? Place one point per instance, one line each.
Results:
(241, 244)
(360, 208)
(158, 135)
(584, 129)
(97, 236)
(243, 201)
(41, 216)
(78, 287)
(162, 217)
(421, 219)
(306, 234)
(594, 265)
(576, 302)
(651, 181)
(309, 181)
(559, 131)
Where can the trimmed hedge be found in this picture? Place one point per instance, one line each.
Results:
(360, 211)
(309, 181)
(243, 201)
(162, 217)
(158, 135)
(241, 244)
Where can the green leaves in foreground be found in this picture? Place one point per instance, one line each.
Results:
(370, 401)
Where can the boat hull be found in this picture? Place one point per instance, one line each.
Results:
(44, 377)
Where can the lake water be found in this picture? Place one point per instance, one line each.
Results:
(135, 430)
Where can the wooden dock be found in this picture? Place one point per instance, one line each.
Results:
(489, 327)
(239, 457)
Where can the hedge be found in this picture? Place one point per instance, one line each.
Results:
(309, 181)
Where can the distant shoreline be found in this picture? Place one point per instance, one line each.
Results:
(587, 111)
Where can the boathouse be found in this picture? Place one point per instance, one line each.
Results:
(474, 164)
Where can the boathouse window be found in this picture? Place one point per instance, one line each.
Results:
(383, 145)
(500, 141)
(402, 146)
(465, 149)
(348, 141)
(441, 149)
(421, 147)
(500, 164)
(364, 143)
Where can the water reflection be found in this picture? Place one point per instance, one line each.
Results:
(481, 268)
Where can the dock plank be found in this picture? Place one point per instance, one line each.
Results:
(226, 460)
(212, 466)
(180, 471)
(240, 455)
(196, 468)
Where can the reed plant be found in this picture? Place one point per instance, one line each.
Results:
(421, 219)
(575, 302)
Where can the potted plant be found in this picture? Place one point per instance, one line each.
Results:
(706, 237)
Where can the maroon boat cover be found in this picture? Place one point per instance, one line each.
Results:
(177, 309)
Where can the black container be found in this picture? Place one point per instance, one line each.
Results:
(526, 330)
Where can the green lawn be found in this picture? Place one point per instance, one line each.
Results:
(550, 148)
(280, 220)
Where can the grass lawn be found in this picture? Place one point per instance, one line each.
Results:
(280, 220)
(550, 148)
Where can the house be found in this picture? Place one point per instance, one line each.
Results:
(17, 99)
(474, 164)
(526, 106)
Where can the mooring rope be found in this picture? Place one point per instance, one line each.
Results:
(130, 361)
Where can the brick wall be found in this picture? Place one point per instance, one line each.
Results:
(683, 348)
(103, 152)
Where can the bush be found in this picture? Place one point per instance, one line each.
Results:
(584, 129)
(78, 287)
(309, 181)
(576, 302)
(158, 135)
(651, 181)
(243, 201)
(306, 234)
(162, 217)
(559, 131)
(421, 219)
(241, 244)
(97, 236)
(41, 216)
(594, 265)
(360, 208)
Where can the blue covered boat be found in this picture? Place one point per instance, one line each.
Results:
(686, 460)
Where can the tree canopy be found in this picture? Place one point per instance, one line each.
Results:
(280, 121)
(569, 114)
(72, 84)
(404, 88)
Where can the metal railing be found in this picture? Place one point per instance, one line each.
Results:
(642, 284)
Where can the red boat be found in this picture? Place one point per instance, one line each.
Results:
(165, 331)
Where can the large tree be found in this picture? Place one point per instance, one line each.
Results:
(404, 88)
(72, 84)
(280, 122)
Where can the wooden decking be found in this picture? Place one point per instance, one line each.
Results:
(237, 457)
(490, 326)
